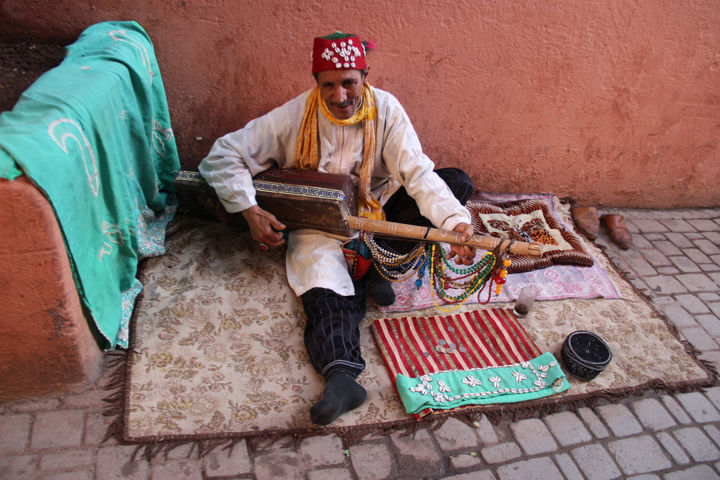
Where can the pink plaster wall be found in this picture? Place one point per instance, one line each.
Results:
(611, 102)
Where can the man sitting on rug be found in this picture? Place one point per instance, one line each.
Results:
(341, 126)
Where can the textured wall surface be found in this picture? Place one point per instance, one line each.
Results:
(610, 102)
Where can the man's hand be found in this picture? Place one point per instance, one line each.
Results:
(264, 227)
(463, 255)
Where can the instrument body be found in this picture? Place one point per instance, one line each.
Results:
(328, 202)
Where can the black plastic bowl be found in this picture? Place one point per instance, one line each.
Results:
(585, 354)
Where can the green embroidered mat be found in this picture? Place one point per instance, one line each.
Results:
(217, 349)
(480, 357)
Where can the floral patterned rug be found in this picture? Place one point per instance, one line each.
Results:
(216, 351)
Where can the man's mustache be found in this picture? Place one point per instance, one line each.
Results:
(344, 104)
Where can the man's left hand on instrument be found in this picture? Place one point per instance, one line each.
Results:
(463, 255)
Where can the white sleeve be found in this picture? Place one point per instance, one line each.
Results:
(403, 157)
(263, 143)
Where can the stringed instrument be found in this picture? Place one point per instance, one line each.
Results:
(328, 202)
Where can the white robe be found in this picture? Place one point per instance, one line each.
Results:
(315, 259)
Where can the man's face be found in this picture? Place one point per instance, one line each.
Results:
(342, 91)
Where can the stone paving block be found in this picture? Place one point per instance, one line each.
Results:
(715, 308)
(652, 414)
(177, 470)
(593, 422)
(713, 394)
(533, 436)
(567, 428)
(714, 237)
(226, 463)
(480, 475)
(645, 476)
(18, 467)
(715, 258)
(713, 432)
(595, 462)
(709, 296)
(61, 428)
(673, 448)
(709, 268)
(96, 426)
(668, 248)
(330, 474)
(639, 241)
(675, 409)
(696, 255)
(417, 454)
(703, 225)
(656, 258)
(668, 271)
(699, 472)
(715, 276)
(620, 419)
(665, 285)
(567, 465)
(35, 405)
(639, 455)
(371, 461)
(14, 433)
(283, 463)
(322, 450)
(486, 431)
(650, 226)
(67, 460)
(76, 475)
(455, 434)
(692, 303)
(693, 236)
(699, 338)
(641, 266)
(697, 444)
(678, 315)
(697, 282)
(710, 323)
(115, 463)
(707, 247)
(501, 452)
(698, 406)
(537, 468)
(712, 357)
(465, 460)
(680, 226)
(679, 240)
(684, 264)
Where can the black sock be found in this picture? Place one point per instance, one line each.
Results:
(342, 394)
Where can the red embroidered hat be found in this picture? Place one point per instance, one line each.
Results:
(339, 51)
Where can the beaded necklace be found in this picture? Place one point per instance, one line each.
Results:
(473, 279)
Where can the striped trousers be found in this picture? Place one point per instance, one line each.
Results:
(332, 333)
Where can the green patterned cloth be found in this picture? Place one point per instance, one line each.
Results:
(94, 135)
(536, 378)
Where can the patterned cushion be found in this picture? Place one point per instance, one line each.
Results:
(530, 221)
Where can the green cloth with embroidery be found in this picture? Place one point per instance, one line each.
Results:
(94, 135)
(536, 378)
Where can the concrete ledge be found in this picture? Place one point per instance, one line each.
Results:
(46, 344)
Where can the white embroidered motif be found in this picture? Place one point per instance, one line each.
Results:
(495, 381)
(519, 377)
(91, 170)
(442, 387)
(123, 36)
(471, 381)
(346, 50)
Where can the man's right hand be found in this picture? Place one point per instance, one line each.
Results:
(264, 227)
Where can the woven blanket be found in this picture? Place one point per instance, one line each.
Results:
(94, 135)
(479, 357)
(217, 349)
(566, 278)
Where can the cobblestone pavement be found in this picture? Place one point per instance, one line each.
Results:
(675, 261)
